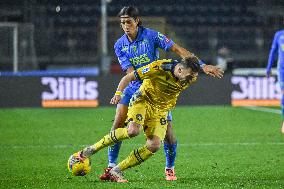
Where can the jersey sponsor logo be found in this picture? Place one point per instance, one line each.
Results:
(140, 59)
(145, 70)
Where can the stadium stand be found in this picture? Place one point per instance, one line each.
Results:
(203, 26)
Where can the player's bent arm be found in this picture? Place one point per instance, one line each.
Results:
(121, 86)
(208, 69)
(182, 52)
(129, 70)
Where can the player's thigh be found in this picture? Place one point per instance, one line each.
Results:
(137, 113)
(156, 124)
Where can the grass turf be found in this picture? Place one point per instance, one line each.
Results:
(219, 147)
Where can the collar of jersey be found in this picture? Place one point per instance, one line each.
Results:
(138, 38)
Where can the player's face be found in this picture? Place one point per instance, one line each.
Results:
(186, 74)
(129, 25)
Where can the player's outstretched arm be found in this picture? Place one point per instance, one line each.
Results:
(208, 69)
(121, 86)
(182, 52)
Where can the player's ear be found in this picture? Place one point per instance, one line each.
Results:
(137, 20)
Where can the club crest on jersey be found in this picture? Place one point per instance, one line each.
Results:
(134, 48)
(139, 117)
(145, 70)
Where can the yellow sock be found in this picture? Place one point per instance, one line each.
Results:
(109, 139)
(135, 158)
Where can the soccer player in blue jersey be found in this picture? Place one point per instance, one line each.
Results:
(277, 50)
(136, 48)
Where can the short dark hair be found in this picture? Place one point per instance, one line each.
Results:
(131, 11)
(191, 62)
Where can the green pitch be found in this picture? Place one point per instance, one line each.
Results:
(219, 147)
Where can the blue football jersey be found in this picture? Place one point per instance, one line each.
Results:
(277, 50)
(142, 51)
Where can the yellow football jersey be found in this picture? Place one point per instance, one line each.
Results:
(160, 87)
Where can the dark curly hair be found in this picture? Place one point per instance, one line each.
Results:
(191, 62)
(130, 11)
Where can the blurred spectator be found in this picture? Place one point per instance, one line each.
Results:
(224, 58)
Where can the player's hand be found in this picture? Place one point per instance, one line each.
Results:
(213, 71)
(115, 99)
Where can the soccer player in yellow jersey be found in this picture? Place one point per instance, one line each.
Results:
(163, 81)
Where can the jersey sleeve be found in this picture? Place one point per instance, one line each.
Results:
(273, 53)
(162, 41)
(147, 72)
(122, 58)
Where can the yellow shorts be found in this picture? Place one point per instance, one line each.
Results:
(153, 120)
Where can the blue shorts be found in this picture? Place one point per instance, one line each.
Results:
(127, 94)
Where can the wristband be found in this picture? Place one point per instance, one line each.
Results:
(118, 93)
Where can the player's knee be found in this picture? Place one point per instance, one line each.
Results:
(133, 129)
(153, 145)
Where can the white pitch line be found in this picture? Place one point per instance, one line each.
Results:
(263, 109)
(234, 144)
(182, 145)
